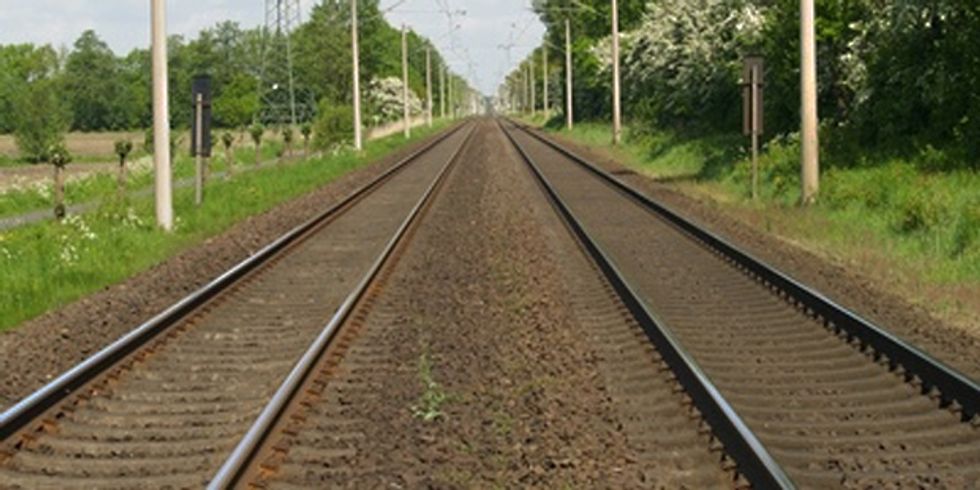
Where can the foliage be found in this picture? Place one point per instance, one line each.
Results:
(256, 131)
(894, 76)
(384, 100)
(59, 156)
(123, 148)
(682, 63)
(105, 91)
(334, 125)
(227, 139)
(41, 120)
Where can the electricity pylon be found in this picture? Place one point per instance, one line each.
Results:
(282, 103)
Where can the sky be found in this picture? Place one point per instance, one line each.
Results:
(476, 49)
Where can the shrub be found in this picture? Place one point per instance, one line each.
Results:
(334, 126)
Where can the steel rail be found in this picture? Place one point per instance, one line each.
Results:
(751, 456)
(954, 387)
(238, 463)
(20, 416)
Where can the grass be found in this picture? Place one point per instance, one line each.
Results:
(895, 217)
(50, 264)
(35, 197)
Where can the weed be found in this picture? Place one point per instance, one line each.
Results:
(430, 403)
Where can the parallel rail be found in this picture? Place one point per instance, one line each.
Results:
(753, 459)
(954, 387)
(954, 390)
(238, 464)
(28, 414)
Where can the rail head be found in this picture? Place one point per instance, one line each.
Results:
(954, 387)
(753, 459)
(236, 465)
(20, 416)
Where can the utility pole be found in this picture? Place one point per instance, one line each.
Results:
(617, 108)
(408, 113)
(569, 116)
(442, 92)
(358, 141)
(544, 83)
(527, 89)
(428, 86)
(808, 79)
(449, 96)
(534, 88)
(161, 117)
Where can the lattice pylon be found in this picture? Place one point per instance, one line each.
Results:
(282, 103)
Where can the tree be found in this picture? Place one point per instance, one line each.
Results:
(307, 131)
(257, 130)
(237, 101)
(123, 149)
(334, 125)
(59, 157)
(228, 140)
(93, 86)
(41, 120)
(20, 65)
(287, 139)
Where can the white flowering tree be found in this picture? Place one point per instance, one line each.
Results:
(683, 62)
(384, 101)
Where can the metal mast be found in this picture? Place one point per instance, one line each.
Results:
(281, 104)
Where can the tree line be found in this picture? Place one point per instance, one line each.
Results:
(892, 74)
(87, 87)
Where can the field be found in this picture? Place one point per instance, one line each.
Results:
(915, 230)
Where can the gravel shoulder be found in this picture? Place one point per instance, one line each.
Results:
(954, 344)
(40, 349)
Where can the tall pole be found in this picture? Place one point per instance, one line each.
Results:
(569, 115)
(527, 89)
(355, 55)
(617, 109)
(808, 79)
(199, 149)
(161, 118)
(449, 96)
(544, 78)
(428, 86)
(534, 88)
(442, 92)
(408, 114)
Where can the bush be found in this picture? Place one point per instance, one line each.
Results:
(42, 120)
(334, 126)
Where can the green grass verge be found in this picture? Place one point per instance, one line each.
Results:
(47, 265)
(896, 213)
(95, 187)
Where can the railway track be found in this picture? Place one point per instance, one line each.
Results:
(799, 390)
(319, 431)
(753, 379)
(164, 405)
